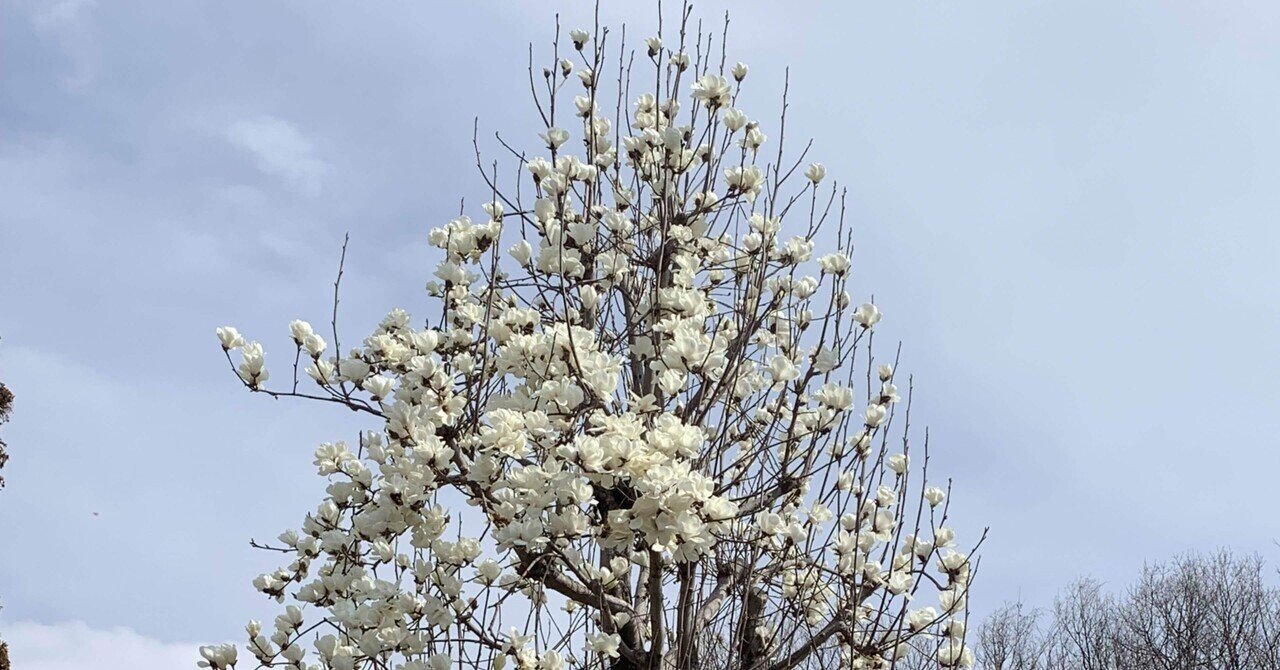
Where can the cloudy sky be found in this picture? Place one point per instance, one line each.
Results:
(1067, 210)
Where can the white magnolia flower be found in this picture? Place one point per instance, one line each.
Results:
(837, 264)
(954, 654)
(899, 583)
(252, 367)
(889, 393)
(953, 562)
(867, 315)
(771, 523)
(605, 645)
(551, 660)
(712, 91)
(488, 571)
(321, 372)
(816, 172)
(554, 137)
(735, 120)
(586, 106)
(952, 600)
(782, 369)
(314, 344)
(934, 496)
(580, 38)
(218, 657)
(745, 180)
(886, 496)
(921, 618)
(522, 252)
(739, 71)
(825, 360)
(875, 415)
(230, 338)
(539, 167)
(300, 330)
(378, 386)
(753, 138)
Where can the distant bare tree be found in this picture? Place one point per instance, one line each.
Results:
(1239, 605)
(1010, 639)
(1267, 649)
(1195, 612)
(1084, 628)
(1165, 623)
(1200, 612)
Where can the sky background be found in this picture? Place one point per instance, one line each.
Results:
(1067, 211)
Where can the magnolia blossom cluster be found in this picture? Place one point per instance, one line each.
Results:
(641, 425)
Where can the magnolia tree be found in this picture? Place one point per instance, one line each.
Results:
(640, 427)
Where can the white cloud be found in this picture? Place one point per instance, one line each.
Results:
(280, 150)
(73, 645)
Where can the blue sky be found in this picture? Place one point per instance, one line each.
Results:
(1067, 211)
